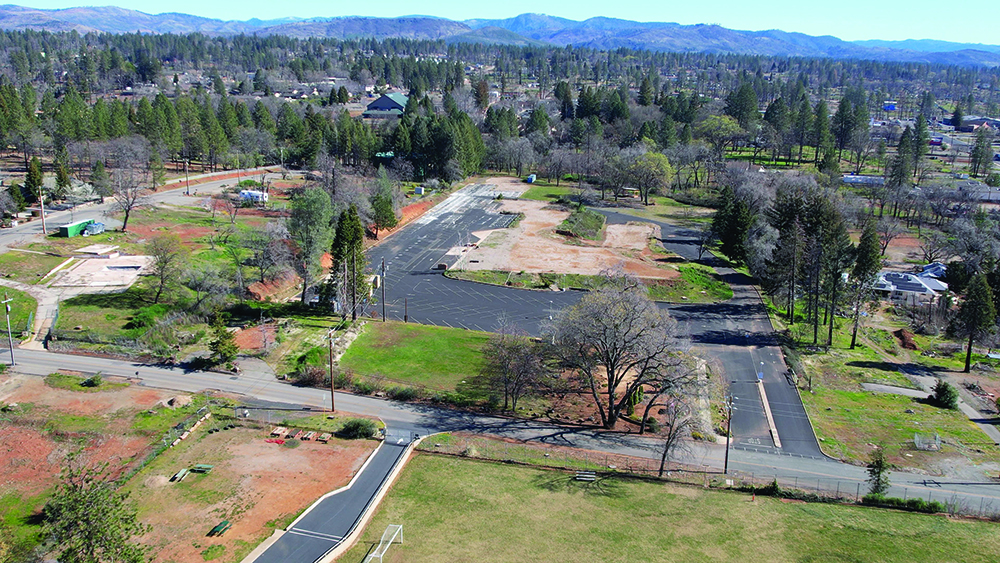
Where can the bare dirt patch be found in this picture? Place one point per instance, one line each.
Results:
(35, 442)
(257, 337)
(255, 485)
(534, 247)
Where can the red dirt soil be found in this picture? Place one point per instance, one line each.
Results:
(257, 337)
(261, 483)
(31, 457)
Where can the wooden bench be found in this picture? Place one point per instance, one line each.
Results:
(220, 528)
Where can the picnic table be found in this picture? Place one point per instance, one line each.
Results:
(202, 468)
(180, 475)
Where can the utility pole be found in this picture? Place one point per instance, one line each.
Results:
(382, 283)
(333, 384)
(354, 284)
(10, 340)
(406, 310)
(41, 205)
(729, 426)
(187, 179)
(343, 309)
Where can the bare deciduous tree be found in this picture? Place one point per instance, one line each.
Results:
(677, 422)
(168, 260)
(512, 364)
(888, 231)
(128, 193)
(268, 248)
(616, 340)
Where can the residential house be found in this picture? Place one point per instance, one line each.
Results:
(387, 106)
(909, 288)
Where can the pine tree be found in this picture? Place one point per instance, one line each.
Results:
(976, 314)
(957, 117)
(34, 180)
(223, 344)
(383, 210)
(867, 263)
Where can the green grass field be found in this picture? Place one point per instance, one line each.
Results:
(459, 510)
(22, 308)
(696, 284)
(430, 356)
(27, 267)
(542, 191)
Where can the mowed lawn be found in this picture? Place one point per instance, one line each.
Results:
(454, 509)
(430, 356)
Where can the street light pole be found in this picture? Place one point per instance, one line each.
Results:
(382, 280)
(729, 426)
(10, 340)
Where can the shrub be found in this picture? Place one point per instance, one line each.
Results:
(357, 428)
(92, 381)
(343, 380)
(945, 395)
(147, 316)
(363, 387)
(310, 376)
(912, 504)
(652, 425)
(400, 393)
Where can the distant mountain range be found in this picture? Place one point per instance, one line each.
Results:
(526, 29)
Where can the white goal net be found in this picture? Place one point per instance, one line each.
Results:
(393, 534)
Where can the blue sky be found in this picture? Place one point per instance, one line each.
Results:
(964, 21)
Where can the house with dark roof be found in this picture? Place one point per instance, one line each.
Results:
(909, 288)
(388, 105)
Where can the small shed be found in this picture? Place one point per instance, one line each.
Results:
(74, 229)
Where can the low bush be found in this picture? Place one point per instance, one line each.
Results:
(92, 381)
(912, 504)
(401, 393)
(357, 428)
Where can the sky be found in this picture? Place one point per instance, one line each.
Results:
(847, 19)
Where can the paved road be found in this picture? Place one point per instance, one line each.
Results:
(424, 419)
(326, 525)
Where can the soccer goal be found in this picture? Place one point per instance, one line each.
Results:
(393, 533)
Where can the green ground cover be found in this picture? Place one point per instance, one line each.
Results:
(543, 191)
(454, 509)
(696, 284)
(74, 383)
(430, 356)
(584, 223)
(27, 267)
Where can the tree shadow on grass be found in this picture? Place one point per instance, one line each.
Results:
(132, 298)
(603, 486)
